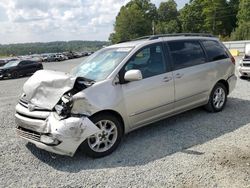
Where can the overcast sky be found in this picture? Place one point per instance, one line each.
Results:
(63, 20)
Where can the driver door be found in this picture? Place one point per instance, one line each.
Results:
(152, 97)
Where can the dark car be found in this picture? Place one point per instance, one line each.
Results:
(2, 62)
(14, 69)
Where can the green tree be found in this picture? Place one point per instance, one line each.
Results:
(134, 20)
(192, 18)
(167, 11)
(234, 8)
(243, 30)
(167, 18)
(217, 17)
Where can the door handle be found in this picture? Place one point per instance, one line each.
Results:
(178, 75)
(167, 79)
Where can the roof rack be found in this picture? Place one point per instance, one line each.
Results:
(152, 37)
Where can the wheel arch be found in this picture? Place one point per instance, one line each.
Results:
(114, 113)
(225, 83)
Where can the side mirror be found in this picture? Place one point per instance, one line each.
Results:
(133, 75)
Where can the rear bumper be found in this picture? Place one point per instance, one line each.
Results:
(232, 83)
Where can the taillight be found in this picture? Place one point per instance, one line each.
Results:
(233, 60)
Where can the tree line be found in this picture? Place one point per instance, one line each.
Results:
(49, 47)
(226, 19)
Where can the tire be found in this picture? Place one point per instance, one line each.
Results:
(217, 98)
(14, 74)
(106, 143)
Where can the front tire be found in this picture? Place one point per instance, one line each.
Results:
(105, 142)
(15, 74)
(217, 98)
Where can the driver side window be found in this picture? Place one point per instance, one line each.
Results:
(149, 61)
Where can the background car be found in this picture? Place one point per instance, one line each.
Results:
(244, 65)
(15, 69)
(2, 62)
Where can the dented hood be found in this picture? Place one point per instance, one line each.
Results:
(45, 88)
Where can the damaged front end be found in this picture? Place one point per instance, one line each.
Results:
(44, 116)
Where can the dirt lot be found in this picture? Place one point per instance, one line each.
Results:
(193, 149)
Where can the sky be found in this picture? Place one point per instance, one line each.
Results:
(59, 20)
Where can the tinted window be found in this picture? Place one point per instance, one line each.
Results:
(26, 63)
(149, 61)
(214, 50)
(186, 53)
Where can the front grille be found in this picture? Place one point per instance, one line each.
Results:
(25, 104)
(246, 64)
(32, 135)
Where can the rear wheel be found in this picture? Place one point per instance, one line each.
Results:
(105, 142)
(217, 99)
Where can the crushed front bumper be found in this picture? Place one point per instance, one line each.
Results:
(47, 131)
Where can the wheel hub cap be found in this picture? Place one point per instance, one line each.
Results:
(219, 98)
(105, 139)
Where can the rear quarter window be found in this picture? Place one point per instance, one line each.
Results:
(186, 53)
(214, 50)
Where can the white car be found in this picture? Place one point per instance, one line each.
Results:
(244, 65)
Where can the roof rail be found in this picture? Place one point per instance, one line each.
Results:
(152, 37)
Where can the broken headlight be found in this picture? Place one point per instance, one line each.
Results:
(64, 106)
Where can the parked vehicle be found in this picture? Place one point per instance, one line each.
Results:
(14, 69)
(244, 65)
(51, 58)
(3, 62)
(121, 88)
(70, 55)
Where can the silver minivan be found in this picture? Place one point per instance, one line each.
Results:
(121, 88)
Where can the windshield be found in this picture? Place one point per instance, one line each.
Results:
(11, 64)
(99, 65)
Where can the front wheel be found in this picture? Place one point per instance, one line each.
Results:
(15, 74)
(217, 99)
(107, 140)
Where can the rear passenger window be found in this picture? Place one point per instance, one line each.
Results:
(214, 50)
(186, 53)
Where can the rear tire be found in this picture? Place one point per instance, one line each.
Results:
(104, 143)
(217, 98)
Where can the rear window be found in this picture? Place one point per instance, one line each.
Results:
(186, 53)
(214, 50)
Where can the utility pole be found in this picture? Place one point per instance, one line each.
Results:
(214, 20)
(153, 27)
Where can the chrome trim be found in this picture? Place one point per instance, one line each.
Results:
(20, 109)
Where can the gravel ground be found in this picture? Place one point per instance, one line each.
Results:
(193, 149)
